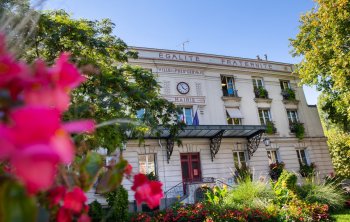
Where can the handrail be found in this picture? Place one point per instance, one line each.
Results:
(218, 180)
(184, 192)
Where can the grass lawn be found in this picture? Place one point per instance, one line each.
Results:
(343, 216)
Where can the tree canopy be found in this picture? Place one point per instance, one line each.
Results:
(114, 90)
(324, 43)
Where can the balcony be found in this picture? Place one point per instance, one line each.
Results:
(230, 97)
(261, 93)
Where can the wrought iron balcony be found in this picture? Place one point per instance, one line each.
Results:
(261, 93)
(288, 94)
(230, 93)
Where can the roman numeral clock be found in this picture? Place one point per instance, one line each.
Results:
(183, 88)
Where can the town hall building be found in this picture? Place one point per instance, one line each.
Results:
(237, 112)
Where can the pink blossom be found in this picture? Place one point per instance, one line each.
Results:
(56, 195)
(128, 170)
(147, 191)
(36, 167)
(74, 200)
(64, 215)
(65, 74)
(6, 147)
(84, 218)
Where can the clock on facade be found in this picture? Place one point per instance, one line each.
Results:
(183, 87)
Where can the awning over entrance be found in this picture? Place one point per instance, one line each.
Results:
(214, 133)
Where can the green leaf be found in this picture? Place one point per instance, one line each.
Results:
(89, 169)
(112, 178)
(15, 204)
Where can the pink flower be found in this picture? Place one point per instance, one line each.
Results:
(64, 215)
(6, 147)
(56, 195)
(128, 170)
(65, 74)
(147, 191)
(84, 218)
(36, 167)
(74, 200)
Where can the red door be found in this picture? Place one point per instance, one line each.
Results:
(190, 167)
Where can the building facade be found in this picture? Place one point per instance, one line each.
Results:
(231, 105)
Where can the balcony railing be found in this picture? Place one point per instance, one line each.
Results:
(288, 94)
(261, 93)
(230, 93)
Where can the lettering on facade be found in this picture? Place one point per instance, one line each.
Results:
(180, 71)
(216, 60)
(185, 99)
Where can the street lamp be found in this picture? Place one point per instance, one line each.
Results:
(267, 141)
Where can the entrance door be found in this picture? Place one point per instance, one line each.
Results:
(190, 167)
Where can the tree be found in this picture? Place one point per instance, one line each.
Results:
(115, 90)
(324, 43)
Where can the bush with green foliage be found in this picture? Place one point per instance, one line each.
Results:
(216, 195)
(330, 194)
(251, 194)
(118, 205)
(152, 176)
(95, 211)
(285, 187)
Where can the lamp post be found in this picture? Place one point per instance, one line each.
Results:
(267, 141)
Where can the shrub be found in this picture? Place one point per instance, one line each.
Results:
(285, 187)
(307, 170)
(151, 176)
(249, 194)
(216, 195)
(118, 205)
(95, 211)
(276, 170)
(329, 194)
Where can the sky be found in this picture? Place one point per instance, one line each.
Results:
(224, 27)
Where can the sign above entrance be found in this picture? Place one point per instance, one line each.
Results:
(145, 53)
(191, 100)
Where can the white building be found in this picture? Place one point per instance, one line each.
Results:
(220, 89)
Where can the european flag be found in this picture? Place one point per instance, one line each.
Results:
(195, 121)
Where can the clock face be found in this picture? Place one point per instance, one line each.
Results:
(183, 87)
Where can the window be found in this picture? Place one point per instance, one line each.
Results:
(302, 157)
(147, 163)
(186, 115)
(292, 116)
(273, 156)
(258, 82)
(264, 116)
(234, 116)
(239, 158)
(285, 84)
(228, 86)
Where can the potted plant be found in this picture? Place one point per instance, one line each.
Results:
(276, 170)
(288, 94)
(307, 170)
(270, 127)
(298, 129)
(261, 92)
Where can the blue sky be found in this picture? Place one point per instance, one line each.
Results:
(225, 27)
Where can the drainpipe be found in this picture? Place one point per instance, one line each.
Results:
(161, 148)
